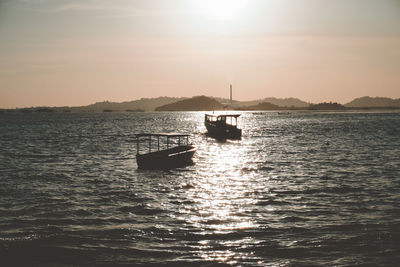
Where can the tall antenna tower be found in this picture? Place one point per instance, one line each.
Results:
(231, 94)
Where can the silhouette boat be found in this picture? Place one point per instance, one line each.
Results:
(223, 126)
(173, 151)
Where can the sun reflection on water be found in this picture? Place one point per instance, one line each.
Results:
(220, 199)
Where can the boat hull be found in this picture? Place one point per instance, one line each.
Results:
(223, 131)
(166, 159)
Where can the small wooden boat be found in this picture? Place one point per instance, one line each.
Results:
(223, 126)
(175, 151)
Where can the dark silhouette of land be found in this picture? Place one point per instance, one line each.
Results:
(327, 106)
(205, 103)
(198, 103)
(263, 106)
(143, 104)
(373, 102)
(281, 102)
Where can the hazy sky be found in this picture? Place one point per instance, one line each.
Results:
(57, 53)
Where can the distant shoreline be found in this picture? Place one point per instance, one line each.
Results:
(204, 103)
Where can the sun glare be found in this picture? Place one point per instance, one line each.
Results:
(221, 9)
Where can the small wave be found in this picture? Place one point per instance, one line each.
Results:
(332, 190)
(187, 186)
(293, 219)
(271, 202)
(250, 169)
(35, 155)
(141, 210)
(265, 168)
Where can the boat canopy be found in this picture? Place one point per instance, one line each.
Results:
(223, 115)
(233, 118)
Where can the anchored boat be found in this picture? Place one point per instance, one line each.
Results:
(223, 126)
(173, 151)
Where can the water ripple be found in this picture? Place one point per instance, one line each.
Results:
(306, 188)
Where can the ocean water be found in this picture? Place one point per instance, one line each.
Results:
(305, 188)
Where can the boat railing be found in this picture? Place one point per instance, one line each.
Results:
(170, 139)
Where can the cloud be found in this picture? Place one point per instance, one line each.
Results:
(118, 8)
(79, 6)
(115, 8)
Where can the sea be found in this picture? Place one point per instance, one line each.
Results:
(303, 188)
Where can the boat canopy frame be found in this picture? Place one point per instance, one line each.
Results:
(223, 117)
(158, 135)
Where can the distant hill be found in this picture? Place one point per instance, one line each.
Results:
(236, 103)
(366, 101)
(327, 106)
(263, 106)
(287, 102)
(198, 103)
(281, 102)
(143, 104)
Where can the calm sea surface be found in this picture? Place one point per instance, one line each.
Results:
(306, 188)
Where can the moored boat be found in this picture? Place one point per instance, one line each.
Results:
(175, 151)
(223, 126)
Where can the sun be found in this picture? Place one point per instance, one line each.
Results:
(220, 9)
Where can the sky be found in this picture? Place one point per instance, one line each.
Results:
(72, 53)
